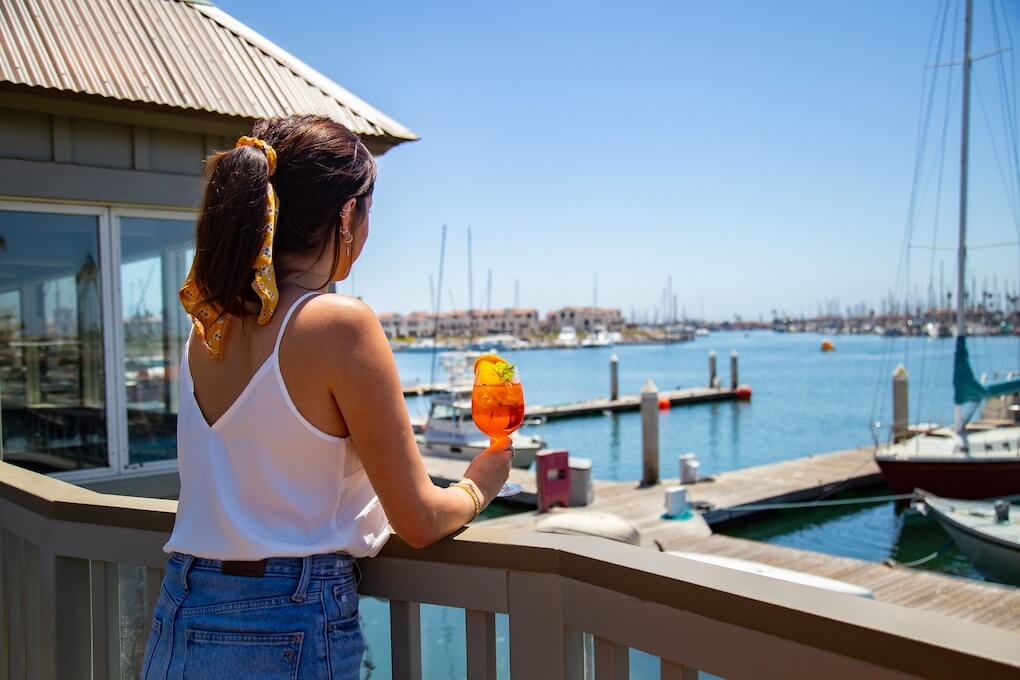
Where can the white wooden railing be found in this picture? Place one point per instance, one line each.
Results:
(63, 548)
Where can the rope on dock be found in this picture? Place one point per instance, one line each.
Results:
(915, 563)
(822, 504)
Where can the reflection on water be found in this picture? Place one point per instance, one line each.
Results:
(873, 532)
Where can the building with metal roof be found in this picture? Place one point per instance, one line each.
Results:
(107, 110)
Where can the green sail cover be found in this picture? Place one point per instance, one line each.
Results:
(966, 387)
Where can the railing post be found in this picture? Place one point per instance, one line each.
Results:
(14, 600)
(480, 628)
(405, 640)
(612, 660)
(105, 585)
(36, 664)
(540, 647)
(73, 613)
(153, 584)
(713, 380)
(734, 375)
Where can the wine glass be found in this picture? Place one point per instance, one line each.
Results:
(497, 403)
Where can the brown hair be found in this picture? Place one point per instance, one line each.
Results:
(320, 166)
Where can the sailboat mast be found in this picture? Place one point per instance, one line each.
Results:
(961, 250)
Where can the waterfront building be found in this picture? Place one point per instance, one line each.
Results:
(521, 323)
(584, 319)
(106, 114)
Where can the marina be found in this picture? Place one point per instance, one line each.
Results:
(758, 488)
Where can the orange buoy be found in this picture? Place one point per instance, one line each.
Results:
(827, 346)
(664, 403)
(744, 393)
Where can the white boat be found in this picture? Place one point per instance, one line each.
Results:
(567, 337)
(987, 532)
(599, 337)
(449, 432)
(960, 465)
(778, 573)
(701, 333)
(426, 345)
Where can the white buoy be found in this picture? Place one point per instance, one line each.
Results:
(676, 501)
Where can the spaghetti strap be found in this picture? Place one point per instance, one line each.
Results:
(286, 319)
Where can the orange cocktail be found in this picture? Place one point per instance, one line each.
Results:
(497, 403)
(498, 410)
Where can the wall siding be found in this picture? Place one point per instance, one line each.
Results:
(26, 135)
(73, 159)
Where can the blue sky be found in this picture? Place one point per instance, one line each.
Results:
(761, 154)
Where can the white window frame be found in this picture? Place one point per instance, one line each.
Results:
(115, 388)
(110, 377)
(124, 466)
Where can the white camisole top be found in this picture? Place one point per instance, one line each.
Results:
(264, 482)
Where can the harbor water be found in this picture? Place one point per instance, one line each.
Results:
(804, 402)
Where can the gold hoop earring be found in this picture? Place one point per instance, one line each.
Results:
(348, 238)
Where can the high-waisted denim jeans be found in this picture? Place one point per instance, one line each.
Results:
(298, 620)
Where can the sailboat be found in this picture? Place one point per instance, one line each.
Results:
(954, 462)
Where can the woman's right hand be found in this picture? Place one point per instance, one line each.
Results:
(491, 468)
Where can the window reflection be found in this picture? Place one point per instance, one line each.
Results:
(156, 255)
(52, 396)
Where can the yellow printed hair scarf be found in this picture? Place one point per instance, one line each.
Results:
(209, 320)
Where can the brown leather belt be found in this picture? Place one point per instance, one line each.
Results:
(235, 568)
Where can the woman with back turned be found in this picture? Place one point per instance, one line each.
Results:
(295, 447)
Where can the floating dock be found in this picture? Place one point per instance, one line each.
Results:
(795, 480)
(631, 402)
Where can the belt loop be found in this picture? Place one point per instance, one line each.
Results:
(306, 574)
(185, 568)
(357, 572)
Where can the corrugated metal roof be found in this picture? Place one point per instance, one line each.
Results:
(173, 53)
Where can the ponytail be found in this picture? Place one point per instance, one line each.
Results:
(229, 231)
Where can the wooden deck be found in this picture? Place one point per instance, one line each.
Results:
(793, 480)
(631, 402)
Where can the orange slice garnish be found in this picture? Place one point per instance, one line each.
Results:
(491, 369)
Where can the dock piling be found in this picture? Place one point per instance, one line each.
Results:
(614, 377)
(901, 403)
(734, 376)
(649, 434)
(713, 380)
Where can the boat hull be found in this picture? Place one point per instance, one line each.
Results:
(992, 555)
(953, 478)
(524, 456)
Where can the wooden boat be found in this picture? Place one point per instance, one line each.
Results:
(987, 532)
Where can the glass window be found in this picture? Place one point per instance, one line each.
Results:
(155, 257)
(52, 394)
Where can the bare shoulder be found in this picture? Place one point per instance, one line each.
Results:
(334, 312)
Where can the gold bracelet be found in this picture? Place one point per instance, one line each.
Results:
(475, 500)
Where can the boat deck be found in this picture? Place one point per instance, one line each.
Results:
(787, 481)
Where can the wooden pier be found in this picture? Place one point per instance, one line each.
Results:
(631, 402)
(787, 481)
